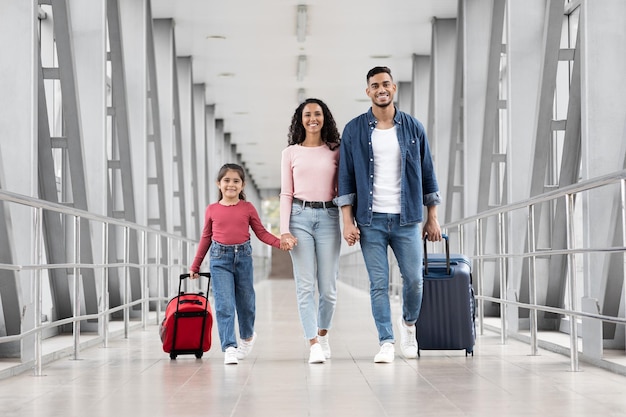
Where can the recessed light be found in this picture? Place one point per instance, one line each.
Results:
(216, 37)
(380, 56)
(226, 74)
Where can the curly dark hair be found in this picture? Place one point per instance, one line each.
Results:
(330, 134)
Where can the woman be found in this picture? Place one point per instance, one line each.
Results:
(310, 218)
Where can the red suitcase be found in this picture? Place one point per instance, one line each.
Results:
(186, 328)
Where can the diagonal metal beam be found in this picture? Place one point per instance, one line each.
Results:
(491, 104)
(456, 158)
(73, 133)
(122, 134)
(547, 85)
(52, 224)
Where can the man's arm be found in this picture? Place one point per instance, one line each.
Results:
(431, 228)
(351, 233)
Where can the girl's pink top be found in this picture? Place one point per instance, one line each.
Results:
(230, 225)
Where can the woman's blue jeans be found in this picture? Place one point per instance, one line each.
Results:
(406, 243)
(233, 289)
(315, 262)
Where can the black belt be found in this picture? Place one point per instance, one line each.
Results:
(315, 204)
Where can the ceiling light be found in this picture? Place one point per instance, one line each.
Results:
(217, 37)
(301, 23)
(225, 74)
(301, 67)
(301, 95)
(380, 56)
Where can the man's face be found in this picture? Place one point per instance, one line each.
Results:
(381, 89)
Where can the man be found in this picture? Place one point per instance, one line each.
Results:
(386, 177)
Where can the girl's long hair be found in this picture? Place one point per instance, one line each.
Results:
(330, 134)
(231, 167)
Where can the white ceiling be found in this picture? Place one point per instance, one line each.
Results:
(259, 49)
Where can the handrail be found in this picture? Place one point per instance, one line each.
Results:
(567, 193)
(576, 188)
(72, 211)
(104, 311)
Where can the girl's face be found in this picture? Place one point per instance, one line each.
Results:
(312, 118)
(231, 185)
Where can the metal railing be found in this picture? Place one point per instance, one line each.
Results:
(147, 239)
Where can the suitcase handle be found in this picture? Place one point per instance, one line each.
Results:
(188, 275)
(445, 237)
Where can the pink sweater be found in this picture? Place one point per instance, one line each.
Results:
(307, 173)
(230, 225)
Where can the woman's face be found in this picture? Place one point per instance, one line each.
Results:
(312, 118)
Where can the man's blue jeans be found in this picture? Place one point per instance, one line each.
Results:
(406, 243)
(315, 263)
(233, 289)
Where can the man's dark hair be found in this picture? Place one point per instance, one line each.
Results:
(378, 70)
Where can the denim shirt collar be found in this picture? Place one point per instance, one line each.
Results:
(371, 119)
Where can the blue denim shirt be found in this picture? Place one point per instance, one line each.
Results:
(418, 184)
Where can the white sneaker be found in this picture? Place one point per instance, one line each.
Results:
(408, 342)
(386, 354)
(230, 356)
(316, 354)
(323, 341)
(245, 347)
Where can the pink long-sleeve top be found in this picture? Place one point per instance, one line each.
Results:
(307, 173)
(230, 225)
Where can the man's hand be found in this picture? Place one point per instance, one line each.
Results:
(431, 229)
(351, 234)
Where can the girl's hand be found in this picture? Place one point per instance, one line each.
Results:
(287, 241)
(193, 275)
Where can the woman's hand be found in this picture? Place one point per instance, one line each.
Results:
(287, 241)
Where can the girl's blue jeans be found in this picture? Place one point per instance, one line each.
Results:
(233, 289)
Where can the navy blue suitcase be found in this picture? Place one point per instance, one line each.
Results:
(447, 317)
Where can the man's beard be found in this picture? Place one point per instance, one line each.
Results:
(383, 105)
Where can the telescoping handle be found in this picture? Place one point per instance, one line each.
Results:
(447, 244)
(187, 275)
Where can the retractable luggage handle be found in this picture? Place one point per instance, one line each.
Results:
(445, 237)
(187, 275)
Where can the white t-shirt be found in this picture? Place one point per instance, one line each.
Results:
(386, 171)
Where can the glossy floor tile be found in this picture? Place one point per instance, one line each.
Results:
(134, 377)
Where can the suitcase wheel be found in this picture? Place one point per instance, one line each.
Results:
(173, 356)
(199, 354)
(469, 352)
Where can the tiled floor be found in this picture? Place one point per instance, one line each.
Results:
(134, 377)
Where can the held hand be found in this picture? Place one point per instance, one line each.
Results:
(351, 234)
(287, 241)
(193, 275)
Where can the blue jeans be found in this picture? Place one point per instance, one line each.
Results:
(233, 289)
(406, 243)
(315, 261)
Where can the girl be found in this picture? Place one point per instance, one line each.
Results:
(309, 217)
(226, 233)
